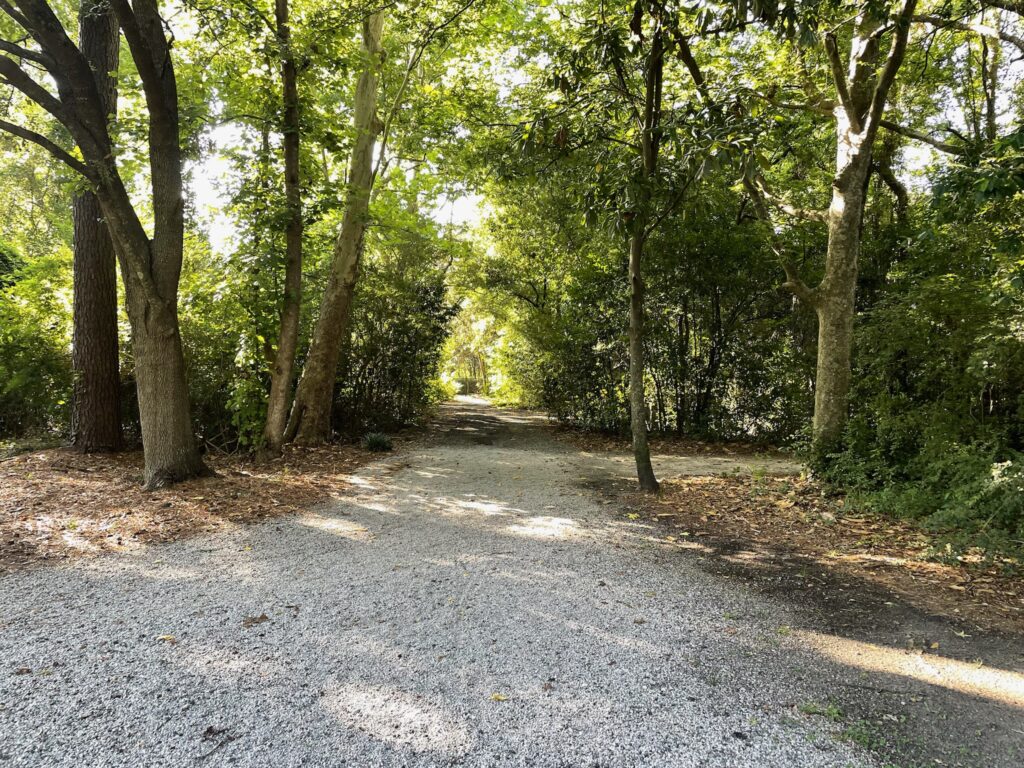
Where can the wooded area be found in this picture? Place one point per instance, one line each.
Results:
(232, 226)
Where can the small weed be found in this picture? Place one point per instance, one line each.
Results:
(863, 734)
(377, 442)
(830, 710)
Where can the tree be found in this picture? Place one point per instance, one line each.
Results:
(862, 88)
(281, 373)
(310, 420)
(650, 146)
(150, 267)
(96, 410)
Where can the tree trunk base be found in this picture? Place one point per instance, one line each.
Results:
(164, 478)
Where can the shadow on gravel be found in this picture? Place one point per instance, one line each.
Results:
(529, 625)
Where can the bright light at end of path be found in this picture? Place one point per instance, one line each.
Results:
(963, 677)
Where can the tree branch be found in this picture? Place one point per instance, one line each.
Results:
(21, 52)
(910, 133)
(984, 30)
(798, 287)
(756, 185)
(839, 76)
(793, 283)
(50, 146)
(893, 62)
(18, 78)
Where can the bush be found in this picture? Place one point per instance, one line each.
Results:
(35, 356)
(377, 442)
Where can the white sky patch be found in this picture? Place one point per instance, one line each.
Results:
(209, 183)
(462, 210)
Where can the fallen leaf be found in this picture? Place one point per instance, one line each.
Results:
(499, 697)
(252, 621)
(169, 639)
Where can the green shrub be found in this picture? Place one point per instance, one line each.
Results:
(377, 442)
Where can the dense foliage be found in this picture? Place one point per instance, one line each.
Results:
(578, 142)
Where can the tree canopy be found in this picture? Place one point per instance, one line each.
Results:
(792, 223)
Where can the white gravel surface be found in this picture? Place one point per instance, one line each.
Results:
(467, 603)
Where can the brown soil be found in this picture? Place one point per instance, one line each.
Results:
(56, 505)
(770, 524)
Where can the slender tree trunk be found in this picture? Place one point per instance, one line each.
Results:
(650, 141)
(310, 421)
(288, 337)
(835, 301)
(96, 409)
(637, 396)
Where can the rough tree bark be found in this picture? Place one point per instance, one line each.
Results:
(150, 267)
(288, 337)
(310, 421)
(96, 408)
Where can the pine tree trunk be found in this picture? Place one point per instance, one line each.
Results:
(310, 421)
(96, 409)
(288, 337)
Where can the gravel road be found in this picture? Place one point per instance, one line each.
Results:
(469, 602)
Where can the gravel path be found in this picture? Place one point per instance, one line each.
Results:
(467, 603)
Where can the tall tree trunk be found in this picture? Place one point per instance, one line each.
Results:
(310, 421)
(835, 302)
(168, 441)
(288, 337)
(637, 395)
(96, 408)
(650, 140)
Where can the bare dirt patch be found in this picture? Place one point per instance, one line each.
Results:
(57, 504)
(771, 523)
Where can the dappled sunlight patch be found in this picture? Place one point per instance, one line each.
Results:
(399, 718)
(972, 678)
(337, 526)
(487, 508)
(542, 527)
(752, 558)
(624, 640)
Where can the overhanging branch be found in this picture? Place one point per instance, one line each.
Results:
(910, 133)
(54, 149)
